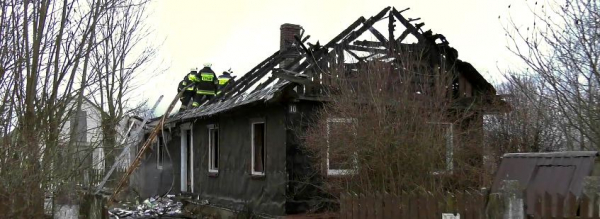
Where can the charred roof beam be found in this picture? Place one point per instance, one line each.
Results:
(408, 25)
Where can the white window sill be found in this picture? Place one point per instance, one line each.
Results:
(340, 172)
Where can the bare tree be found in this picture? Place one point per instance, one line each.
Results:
(396, 126)
(121, 55)
(46, 66)
(533, 124)
(561, 49)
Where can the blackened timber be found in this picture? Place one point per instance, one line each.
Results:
(391, 29)
(287, 67)
(368, 43)
(408, 25)
(379, 36)
(367, 49)
(339, 51)
(236, 82)
(263, 71)
(257, 76)
(244, 81)
(333, 41)
(355, 56)
(403, 35)
(292, 77)
(347, 31)
(366, 25)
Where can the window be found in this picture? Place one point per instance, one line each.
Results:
(445, 136)
(160, 152)
(213, 148)
(340, 160)
(258, 147)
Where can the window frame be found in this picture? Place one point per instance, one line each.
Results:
(211, 168)
(449, 155)
(252, 147)
(340, 172)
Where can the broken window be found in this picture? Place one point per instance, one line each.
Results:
(443, 145)
(213, 148)
(258, 147)
(340, 136)
(160, 152)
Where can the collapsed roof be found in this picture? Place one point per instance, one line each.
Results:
(296, 65)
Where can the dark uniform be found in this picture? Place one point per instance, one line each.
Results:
(224, 80)
(190, 79)
(206, 87)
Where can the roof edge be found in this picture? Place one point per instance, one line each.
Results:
(554, 154)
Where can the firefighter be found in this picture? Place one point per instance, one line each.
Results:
(188, 84)
(225, 79)
(207, 85)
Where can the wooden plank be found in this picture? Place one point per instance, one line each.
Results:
(548, 205)
(366, 25)
(379, 36)
(280, 73)
(402, 36)
(343, 206)
(333, 41)
(388, 201)
(370, 205)
(571, 205)
(379, 205)
(595, 207)
(460, 203)
(437, 204)
(408, 25)
(367, 49)
(496, 207)
(355, 206)
(398, 208)
(391, 37)
(244, 78)
(406, 198)
(538, 206)
(414, 205)
(585, 206)
(560, 206)
(467, 199)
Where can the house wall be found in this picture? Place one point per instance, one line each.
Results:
(233, 187)
(304, 181)
(150, 179)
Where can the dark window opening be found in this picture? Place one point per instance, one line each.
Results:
(213, 149)
(258, 148)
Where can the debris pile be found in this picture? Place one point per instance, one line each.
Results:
(152, 207)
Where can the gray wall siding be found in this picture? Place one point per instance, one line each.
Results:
(154, 181)
(234, 187)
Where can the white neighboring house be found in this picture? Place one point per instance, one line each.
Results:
(89, 133)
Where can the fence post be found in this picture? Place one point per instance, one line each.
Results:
(512, 200)
(591, 188)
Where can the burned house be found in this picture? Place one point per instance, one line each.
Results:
(240, 151)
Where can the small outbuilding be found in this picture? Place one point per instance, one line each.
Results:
(555, 173)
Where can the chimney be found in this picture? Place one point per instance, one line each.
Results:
(287, 39)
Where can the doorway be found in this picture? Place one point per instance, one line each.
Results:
(187, 158)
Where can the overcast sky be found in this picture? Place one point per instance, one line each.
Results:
(240, 34)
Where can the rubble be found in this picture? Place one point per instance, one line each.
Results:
(152, 207)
